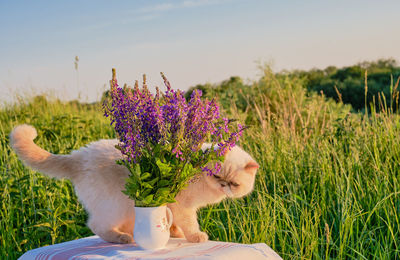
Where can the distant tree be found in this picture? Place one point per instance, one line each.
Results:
(350, 81)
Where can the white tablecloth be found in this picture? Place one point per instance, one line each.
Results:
(96, 248)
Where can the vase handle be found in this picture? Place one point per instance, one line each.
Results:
(169, 217)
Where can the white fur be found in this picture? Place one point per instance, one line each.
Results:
(98, 182)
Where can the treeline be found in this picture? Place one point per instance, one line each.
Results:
(346, 84)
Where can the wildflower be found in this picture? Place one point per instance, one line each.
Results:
(162, 128)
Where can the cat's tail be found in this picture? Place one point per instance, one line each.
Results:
(58, 166)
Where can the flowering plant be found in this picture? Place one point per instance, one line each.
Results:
(161, 136)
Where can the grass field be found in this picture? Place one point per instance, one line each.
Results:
(328, 185)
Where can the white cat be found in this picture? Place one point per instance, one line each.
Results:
(98, 182)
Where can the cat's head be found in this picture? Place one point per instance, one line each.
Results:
(237, 175)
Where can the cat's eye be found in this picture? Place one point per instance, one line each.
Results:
(234, 184)
(217, 177)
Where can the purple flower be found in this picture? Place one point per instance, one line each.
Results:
(143, 121)
(213, 170)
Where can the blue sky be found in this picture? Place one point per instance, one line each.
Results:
(192, 41)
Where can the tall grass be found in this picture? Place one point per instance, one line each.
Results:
(328, 185)
(35, 210)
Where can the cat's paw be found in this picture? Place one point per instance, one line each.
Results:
(125, 239)
(198, 237)
(175, 231)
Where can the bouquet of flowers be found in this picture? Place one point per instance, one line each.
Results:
(161, 137)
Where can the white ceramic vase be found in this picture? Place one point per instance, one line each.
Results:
(151, 229)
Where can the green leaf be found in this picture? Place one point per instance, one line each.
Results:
(131, 184)
(164, 168)
(163, 183)
(187, 170)
(148, 199)
(145, 176)
(164, 191)
(153, 181)
(147, 185)
(133, 169)
(120, 162)
(146, 192)
(170, 201)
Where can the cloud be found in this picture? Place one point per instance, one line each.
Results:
(195, 3)
(157, 8)
(152, 12)
(165, 7)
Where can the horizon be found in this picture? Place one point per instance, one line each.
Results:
(192, 42)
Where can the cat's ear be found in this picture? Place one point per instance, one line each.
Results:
(251, 167)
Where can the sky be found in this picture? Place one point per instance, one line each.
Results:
(191, 41)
